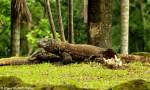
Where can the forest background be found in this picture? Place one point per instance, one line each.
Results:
(139, 33)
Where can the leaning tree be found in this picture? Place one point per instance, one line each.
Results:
(61, 28)
(50, 18)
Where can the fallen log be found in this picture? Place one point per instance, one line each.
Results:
(14, 61)
(133, 58)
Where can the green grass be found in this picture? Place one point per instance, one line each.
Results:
(90, 75)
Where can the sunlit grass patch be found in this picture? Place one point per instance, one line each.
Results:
(82, 75)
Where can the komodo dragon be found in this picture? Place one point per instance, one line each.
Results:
(75, 52)
(65, 52)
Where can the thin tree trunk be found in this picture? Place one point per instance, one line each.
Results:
(100, 21)
(142, 13)
(124, 26)
(19, 14)
(50, 18)
(61, 28)
(85, 11)
(15, 29)
(70, 21)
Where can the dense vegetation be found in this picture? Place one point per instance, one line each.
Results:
(139, 26)
(40, 27)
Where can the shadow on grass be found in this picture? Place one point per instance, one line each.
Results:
(14, 83)
(137, 84)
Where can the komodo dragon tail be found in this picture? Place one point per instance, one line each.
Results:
(14, 61)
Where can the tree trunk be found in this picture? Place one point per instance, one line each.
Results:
(50, 18)
(19, 14)
(124, 26)
(61, 28)
(15, 38)
(15, 29)
(100, 21)
(70, 22)
(23, 39)
(142, 12)
(85, 11)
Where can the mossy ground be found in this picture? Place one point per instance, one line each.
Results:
(137, 84)
(91, 75)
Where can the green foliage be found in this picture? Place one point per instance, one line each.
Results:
(80, 28)
(116, 26)
(116, 38)
(139, 34)
(139, 29)
(4, 28)
(41, 31)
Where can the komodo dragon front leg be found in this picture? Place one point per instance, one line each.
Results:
(66, 58)
(40, 55)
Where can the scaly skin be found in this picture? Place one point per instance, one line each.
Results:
(78, 52)
(56, 51)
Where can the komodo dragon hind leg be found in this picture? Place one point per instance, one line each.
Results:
(66, 58)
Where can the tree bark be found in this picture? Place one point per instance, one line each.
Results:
(50, 18)
(15, 29)
(132, 58)
(19, 14)
(85, 11)
(15, 38)
(124, 26)
(14, 61)
(99, 20)
(61, 28)
(70, 22)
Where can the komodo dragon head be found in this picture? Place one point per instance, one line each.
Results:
(50, 45)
